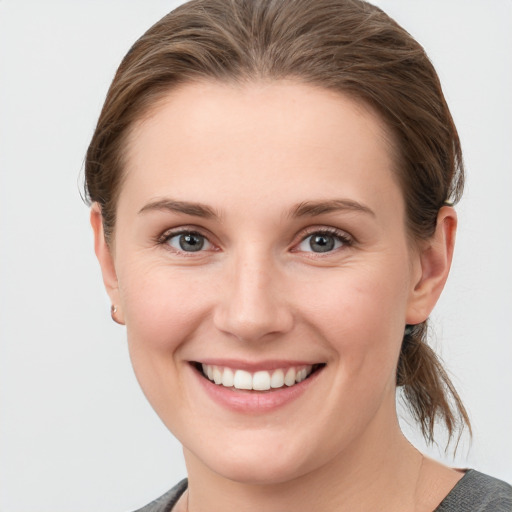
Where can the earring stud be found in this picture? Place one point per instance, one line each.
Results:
(113, 311)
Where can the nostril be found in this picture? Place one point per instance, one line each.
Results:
(252, 308)
(254, 326)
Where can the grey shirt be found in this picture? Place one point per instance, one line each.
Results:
(474, 492)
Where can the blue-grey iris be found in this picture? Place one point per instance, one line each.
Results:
(191, 242)
(322, 243)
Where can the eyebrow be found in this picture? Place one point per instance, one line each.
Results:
(185, 207)
(313, 208)
(304, 209)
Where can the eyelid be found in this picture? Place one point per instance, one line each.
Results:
(164, 237)
(342, 235)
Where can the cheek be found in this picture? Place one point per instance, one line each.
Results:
(163, 310)
(162, 305)
(362, 318)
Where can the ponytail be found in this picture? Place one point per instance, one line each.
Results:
(427, 388)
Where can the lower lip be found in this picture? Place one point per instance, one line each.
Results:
(255, 401)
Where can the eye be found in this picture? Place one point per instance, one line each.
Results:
(323, 241)
(187, 241)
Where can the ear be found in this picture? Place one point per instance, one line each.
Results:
(106, 260)
(435, 258)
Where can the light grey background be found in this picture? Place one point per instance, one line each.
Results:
(75, 431)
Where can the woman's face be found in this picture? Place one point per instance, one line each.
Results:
(261, 237)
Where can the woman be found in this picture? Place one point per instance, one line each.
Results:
(272, 188)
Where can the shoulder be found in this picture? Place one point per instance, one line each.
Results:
(476, 492)
(167, 501)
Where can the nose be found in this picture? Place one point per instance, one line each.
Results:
(252, 303)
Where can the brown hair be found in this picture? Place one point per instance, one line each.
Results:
(348, 46)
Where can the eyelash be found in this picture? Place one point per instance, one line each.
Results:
(344, 238)
(165, 237)
(341, 236)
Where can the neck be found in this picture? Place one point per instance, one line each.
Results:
(379, 471)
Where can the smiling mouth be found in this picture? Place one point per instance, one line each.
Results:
(261, 380)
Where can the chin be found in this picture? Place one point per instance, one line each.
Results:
(263, 471)
(258, 464)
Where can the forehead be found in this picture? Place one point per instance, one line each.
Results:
(259, 138)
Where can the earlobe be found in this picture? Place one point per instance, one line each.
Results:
(435, 258)
(105, 259)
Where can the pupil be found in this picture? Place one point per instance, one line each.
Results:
(322, 243)
(191, 242)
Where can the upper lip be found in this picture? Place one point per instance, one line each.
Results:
(253, 366)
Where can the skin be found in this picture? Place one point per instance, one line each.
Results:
(258, 291)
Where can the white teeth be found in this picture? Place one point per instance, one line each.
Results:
(228, 377)
(302, 374)
(277, 380)
(242, 380)
(217, 375)
(209, 371)
(259, 381)
(289, 378)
